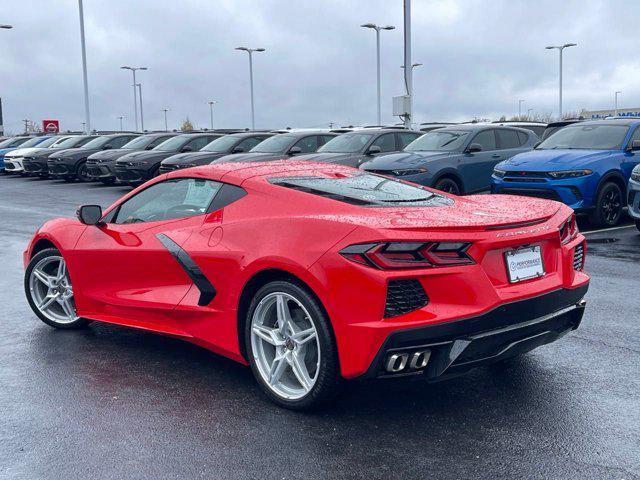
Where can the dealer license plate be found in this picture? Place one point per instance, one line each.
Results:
(524, 263)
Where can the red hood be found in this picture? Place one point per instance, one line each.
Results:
(476, 212)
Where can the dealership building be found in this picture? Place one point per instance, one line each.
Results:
(597, 114)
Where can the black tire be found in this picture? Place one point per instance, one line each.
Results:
(81, 172)
(328, 379)
(608, 207)
(79, 323)
(448, 185)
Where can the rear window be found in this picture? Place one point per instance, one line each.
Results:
(366, 190)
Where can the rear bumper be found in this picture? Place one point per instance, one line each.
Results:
(457, 347)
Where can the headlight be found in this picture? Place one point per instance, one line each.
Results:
(569, 173)
(408, 171)
(635, 175)
(499, 173)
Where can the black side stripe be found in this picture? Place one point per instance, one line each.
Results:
(207, 290)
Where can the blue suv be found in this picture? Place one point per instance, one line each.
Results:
(586, 165)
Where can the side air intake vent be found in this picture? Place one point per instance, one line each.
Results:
(404, 296)
(578, 257)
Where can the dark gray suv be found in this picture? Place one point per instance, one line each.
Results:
(457, 159)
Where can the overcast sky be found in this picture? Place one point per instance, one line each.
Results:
(479, 56)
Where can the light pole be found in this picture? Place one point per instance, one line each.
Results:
(84, 68)
(141, 113)
(120, 118)
(560, 49)
(166, 127)
(211, 104)
(408, 72)
(377, 29)
(529, 110)
(520, 102)
(250, 52)
(135, 95)
(616, 104)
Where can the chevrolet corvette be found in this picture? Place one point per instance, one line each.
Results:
(313, 274)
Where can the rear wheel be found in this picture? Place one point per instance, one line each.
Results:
(608, 208)
(49, 291)
(290, 346)
(448, 185)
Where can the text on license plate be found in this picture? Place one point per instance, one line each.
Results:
(524, 263)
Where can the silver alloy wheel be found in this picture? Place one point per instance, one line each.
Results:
(285, 345)
(51, 290)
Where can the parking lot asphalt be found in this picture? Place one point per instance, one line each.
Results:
(109, 402)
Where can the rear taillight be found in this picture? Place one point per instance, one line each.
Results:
(568, 230)
(403, 255)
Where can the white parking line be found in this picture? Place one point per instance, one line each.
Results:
(608, 229)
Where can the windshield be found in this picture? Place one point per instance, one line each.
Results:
(347, 143)
(139, 142)
(97, 142)
(173, 144)
(13, 142)
(221, 145)
(73, 142)
(587, 137)
(364, 189)
(32, 142)
(277, 144)
(439, 140)
(48, 142)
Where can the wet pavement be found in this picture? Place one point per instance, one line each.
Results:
(109, 402)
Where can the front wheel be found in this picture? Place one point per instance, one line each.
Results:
(49, 292)
(608, 208)
(290, 346)
(82, 174)
(448, 185)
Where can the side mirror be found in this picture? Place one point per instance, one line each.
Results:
(295, 150)
(474, 147)
(107, 147)
(89, 214)
(635, 145)
(237, 150)
(373, 149)
(186, 148)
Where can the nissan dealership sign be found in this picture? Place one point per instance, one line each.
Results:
(50, 126)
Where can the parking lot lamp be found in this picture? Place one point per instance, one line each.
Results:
(166, 126)
(377, 29)
(250, 52)
(135, 94)
(615, 108)
(6, 27)
(211, 104)
(529, 110)
(560, 49)
(120, 118)
(141, 112)
(84, 68)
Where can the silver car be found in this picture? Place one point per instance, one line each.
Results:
(634, 195)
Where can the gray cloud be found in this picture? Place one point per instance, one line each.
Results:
(479, 58)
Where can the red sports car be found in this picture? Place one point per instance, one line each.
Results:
(313, 273)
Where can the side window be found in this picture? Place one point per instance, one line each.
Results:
(179, 198)
(248, 143)
(405, 138)
(508, 138)
(197, 143)
(308, 144)
(120, 141)
(325, 138)
(635, 136)
(523, 137)
(386, 142)
(158, 141)
(487, 139)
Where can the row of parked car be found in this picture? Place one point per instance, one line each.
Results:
(592, 166)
